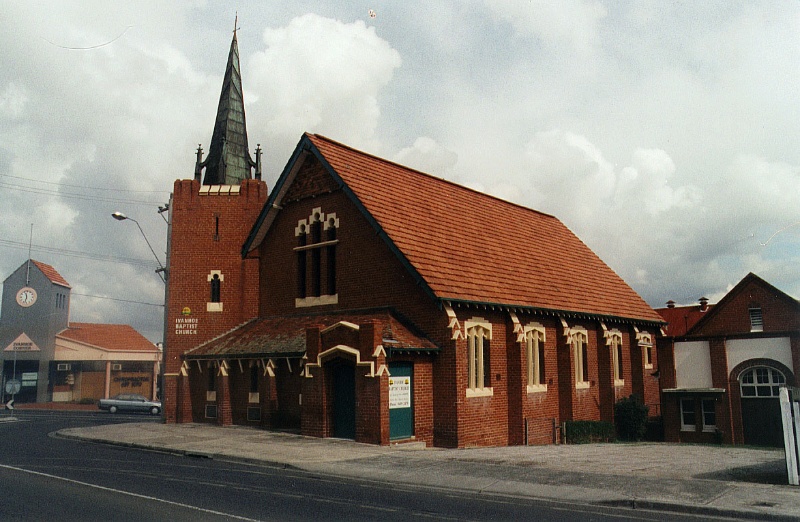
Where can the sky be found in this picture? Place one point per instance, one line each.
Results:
(664, 134)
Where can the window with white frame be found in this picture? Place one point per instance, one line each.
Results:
(534, 351)
(479, 336)
(709, 412)
(688, 421)
(761, 382)
(580, 351)
(316, 259)
(615, 345)
(645, 341)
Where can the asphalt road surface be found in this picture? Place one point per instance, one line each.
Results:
(43, 477)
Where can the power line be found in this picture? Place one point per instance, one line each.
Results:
(58, 183)
(74, 253)
(115, 299)
(71, 195)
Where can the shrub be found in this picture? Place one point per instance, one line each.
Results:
(582, 432)
(630, 417)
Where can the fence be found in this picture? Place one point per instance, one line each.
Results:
(790, 414)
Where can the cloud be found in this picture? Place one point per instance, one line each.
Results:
(571, 24)
(320, 75)
(428, 156)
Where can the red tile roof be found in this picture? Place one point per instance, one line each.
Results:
(108, 336)
(51, 273)
(469, 246)
(681, 319)
(286, 336)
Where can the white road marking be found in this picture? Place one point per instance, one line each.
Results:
(146, 497)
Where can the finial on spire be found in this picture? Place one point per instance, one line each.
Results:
(235, 24)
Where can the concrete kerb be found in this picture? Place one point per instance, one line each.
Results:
(440, 471)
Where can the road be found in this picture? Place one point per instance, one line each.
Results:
(44, 477)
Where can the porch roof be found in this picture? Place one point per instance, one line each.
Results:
(285, 336)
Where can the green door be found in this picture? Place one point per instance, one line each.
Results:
(401, 401)
(344, 401)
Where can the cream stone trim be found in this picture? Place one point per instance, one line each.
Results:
(347, 324)
(213, 307)
(305, 302)
(480, 392)
(583, 385)
(327, 223)
(224, 368)
(537, 388)
(211, 396)
(301, 228)
(215, 272)
(478, 321)
(339, 348)
(379, 351)
(518, 329)
(253, 398)
(453, 324)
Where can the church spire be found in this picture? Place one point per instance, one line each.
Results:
(229, 161)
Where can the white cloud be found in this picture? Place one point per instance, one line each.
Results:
(321, 75)
(568, 23)
(428, 156)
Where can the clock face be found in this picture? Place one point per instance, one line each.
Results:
(26, 296)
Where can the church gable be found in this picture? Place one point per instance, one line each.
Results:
(752, 306)
(312, 180)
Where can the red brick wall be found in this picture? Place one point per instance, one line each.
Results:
(535, 412)
(780, 313)
(194, 253)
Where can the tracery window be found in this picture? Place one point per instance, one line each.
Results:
(317, 238)
(534, 351)
(580, 349)
(479, 336)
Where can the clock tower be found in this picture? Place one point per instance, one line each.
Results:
(35, 307)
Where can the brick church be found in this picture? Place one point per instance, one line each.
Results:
(366, 300)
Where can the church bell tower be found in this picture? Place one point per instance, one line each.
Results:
(211, 288)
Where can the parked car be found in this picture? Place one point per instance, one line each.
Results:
(130, 402)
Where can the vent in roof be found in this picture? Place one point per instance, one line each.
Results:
(756, 320)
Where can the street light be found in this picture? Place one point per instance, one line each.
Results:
(162, 272)
(119, 216)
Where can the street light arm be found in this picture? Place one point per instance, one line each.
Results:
(119, 216)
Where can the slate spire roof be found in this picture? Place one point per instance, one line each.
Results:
(463, 246)
(229, 161)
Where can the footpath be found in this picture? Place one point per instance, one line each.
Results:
(727, 481)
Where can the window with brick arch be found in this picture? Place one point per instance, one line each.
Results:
(479, 372)
(317, 238)
(615, 345)
(534, 352)
(580, 349)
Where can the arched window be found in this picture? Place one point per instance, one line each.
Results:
(580, 349)
(534, 351)
(317, 238)
(215, 288)
(761, 382)
(215, 279)
(479, 373)
(615, 345)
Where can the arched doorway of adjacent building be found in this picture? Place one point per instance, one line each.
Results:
(761, 410)
(342, 398)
